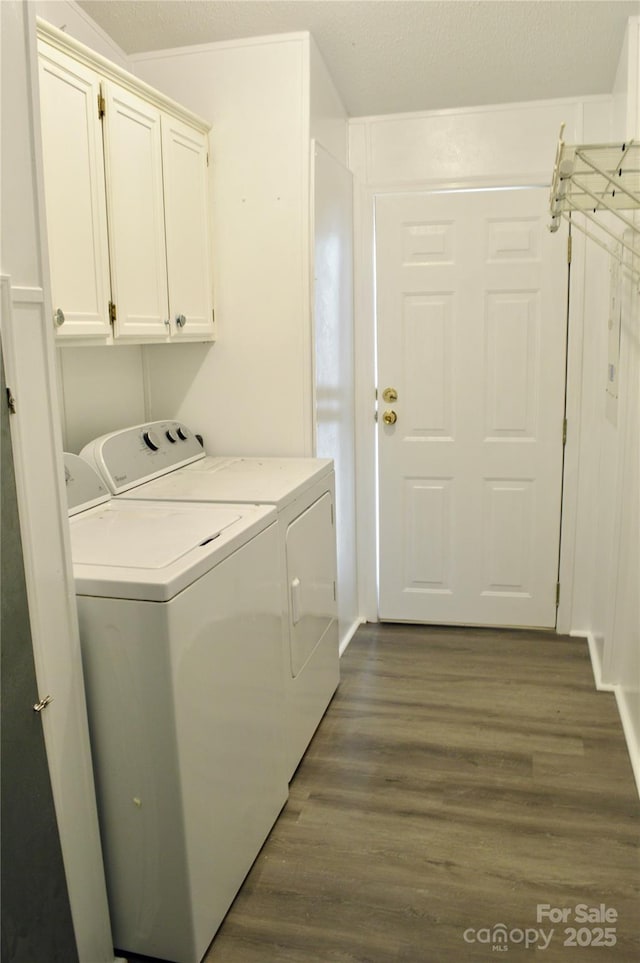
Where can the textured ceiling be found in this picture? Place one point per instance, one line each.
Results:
(389, 56)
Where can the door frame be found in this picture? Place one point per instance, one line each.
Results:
(366, 375)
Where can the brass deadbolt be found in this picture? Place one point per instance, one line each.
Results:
(389, 395)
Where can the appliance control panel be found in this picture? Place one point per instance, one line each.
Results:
(133, 456)
(84, 486)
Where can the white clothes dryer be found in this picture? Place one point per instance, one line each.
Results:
(180, 629)
(165, 461)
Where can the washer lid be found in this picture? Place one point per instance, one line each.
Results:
(149, 538)
(153, 550)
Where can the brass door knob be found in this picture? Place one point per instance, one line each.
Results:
(389, 417)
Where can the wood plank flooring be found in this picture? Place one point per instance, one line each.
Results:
(459, 779)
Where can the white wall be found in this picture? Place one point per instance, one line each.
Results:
(251, 392)
(101, 389)
(334, 360)
(327, 116)
(29, 357)
(607, 574)
(331, 286)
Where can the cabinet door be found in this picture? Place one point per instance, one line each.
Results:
(74, 195)
(184, 155)
(133, 162)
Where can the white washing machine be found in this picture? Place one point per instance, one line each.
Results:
(165, 461)
(180, 628)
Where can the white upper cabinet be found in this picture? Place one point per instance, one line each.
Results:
(135, 205)
(126, 188)
(186, 212)
(75, 197)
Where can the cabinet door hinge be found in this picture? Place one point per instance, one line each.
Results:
(375, 412)
(112, 313)
(564, 432)
(557, 594)
(11, 401)
(102, 107)
(569, 248)
(207, 158)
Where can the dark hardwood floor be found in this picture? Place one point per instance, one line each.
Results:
(460, 779)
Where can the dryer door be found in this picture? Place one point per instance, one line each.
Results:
(311, 573)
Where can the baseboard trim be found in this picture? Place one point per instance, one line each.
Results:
(596, 662)
(349, 635)
(630, 735)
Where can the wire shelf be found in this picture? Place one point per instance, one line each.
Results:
(598, 180)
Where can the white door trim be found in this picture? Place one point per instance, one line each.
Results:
(573, 407)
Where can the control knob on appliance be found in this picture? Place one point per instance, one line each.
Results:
(151, 440)
(171, 435)
(182, 433)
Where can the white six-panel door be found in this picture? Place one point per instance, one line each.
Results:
(471, 314)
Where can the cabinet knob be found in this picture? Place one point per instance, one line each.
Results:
(58, 317)
(181, 320)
